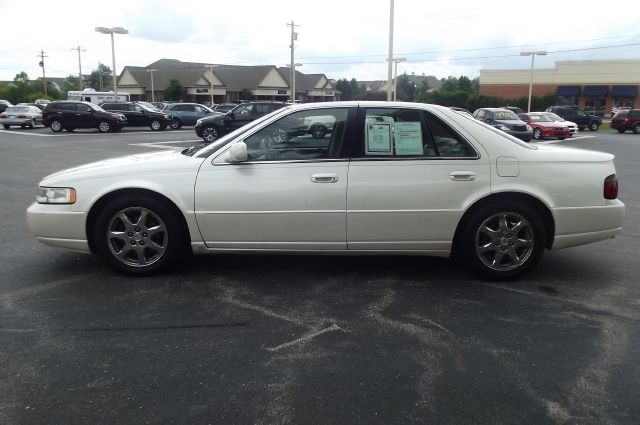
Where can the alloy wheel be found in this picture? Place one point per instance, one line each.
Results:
(504, 241)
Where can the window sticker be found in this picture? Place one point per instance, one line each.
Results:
(378, 135)
(408, 138)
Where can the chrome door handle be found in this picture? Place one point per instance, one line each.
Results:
(324, 178)
(462, 176)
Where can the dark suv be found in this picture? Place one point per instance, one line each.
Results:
(626, 119)
(71, 115)
(578, 116)
(505, 120)
(139, 115)
(213, 126)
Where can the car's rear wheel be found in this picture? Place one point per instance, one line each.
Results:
(155, 125)
(104, 126)
(636, 128)
(56, 126)
(594, 126)
(139, 235)
(504, 240)
(537, 134)
(210, 133)
(175, 124)
(33, 123)
(6, 126)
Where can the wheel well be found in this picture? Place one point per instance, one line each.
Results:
(105, 199)
(533, 202)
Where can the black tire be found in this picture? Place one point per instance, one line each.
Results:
(33, 123)
(175, 124)
(129, 245)
(210, 133)
(104, 126)
(594, 126)
(56, 125)
(537, 134)
(581, 128)
(620, 130)
(636, 128)
(318, 131)
(561, 138)
(155, 125)
(6, 126)
(517, 243)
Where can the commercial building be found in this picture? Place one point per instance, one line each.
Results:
(226, 83)
(599, 87)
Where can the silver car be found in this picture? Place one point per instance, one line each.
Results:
(24, 116)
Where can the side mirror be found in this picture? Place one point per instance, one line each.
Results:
(237, 153)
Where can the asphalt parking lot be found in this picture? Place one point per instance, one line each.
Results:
(305, 339)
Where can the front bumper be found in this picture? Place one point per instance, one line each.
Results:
(58, 226)
(522, 135)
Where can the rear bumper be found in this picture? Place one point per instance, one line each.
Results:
(579, 226)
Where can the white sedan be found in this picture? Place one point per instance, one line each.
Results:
(573, 127)
(389, 178)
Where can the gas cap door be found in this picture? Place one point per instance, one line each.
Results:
(507, 166)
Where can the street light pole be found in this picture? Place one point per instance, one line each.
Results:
(294, 37)
(395, 78)
(111, 31)
(533, 54)
(211, 80)
(153, 96)
(390, 58)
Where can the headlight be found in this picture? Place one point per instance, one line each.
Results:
(529, 128)
(199, 121)
(56, 195)
(167, 117)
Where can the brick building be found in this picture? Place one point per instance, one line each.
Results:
(597, 86)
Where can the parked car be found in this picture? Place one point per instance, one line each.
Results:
(575, 114)
(421, 179)
(515, 109)
(140, 115)
(544, 126)
(69, 115)
(573, 127)
(186, 113)
(461, 110)
(218, 124)
(4, 104)
(39, 106)
(159, 105)
(626, 119)
(24, 116)
(505, 120)
(147, 104)
(42, 102)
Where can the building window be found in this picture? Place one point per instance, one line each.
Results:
(595, 105)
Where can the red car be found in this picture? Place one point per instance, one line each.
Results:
(543, 126)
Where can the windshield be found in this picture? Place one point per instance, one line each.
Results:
(147, 107)
(204, 150)
(540, 118)
(554, 117)
(506, 116)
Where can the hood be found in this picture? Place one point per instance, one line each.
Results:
(149, 162)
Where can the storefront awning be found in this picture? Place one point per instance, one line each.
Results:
(596, 90)
(568, 91)
(626, 91)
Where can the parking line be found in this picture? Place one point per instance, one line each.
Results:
(22, 133)
(89, 134)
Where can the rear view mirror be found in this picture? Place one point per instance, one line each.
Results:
(237, 153)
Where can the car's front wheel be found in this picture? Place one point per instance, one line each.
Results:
(537, 134)
(504, 240)
(56, 126)
(104, 126)
(139, 235)
(155, 125)
(594, 126)
(210, 133)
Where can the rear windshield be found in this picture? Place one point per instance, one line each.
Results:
(621, 114)
(17, 109)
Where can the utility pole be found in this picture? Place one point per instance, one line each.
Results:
(79, 49)
(100, 75)
(294, 37)
(390, 58)
(153, 96)
(44, 75)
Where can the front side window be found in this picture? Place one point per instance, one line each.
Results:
(243, 110)
(303, 135)
(410, 133)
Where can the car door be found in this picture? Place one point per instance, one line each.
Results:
(242, 115)
(81, 116)
(289, 195)
(136, 115)
(410, 181)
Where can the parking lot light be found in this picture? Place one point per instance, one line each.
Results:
(533, 54)
(111, 31)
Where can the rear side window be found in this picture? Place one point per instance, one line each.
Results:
(66, 106)
(411, 133)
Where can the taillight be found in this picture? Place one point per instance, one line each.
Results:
(3, 116)
(22, 116)
(611, 187)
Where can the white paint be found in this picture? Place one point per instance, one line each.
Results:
(306, 338)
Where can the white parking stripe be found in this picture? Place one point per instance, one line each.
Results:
(22, 133)
(67, 133)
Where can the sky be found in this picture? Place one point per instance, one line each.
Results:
(342, 39)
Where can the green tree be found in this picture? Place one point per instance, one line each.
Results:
(345, 88)
(464, 84)
(174, 91)
(100, 78)
(406, 89)
(70, 83)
